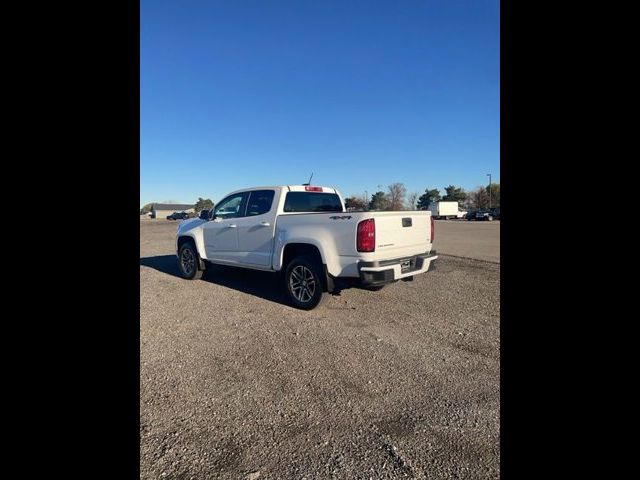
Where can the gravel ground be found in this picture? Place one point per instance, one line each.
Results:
(235, 384)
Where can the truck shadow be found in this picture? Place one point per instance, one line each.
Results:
(265, 285)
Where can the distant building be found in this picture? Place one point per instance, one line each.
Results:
(161, 210)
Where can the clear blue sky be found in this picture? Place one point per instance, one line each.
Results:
(240, 93)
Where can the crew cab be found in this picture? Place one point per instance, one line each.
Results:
(305, 233)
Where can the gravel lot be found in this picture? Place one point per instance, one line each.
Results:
(401, 383)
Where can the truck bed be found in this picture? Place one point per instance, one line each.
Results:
(398, 234)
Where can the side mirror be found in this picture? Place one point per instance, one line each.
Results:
(204, 214)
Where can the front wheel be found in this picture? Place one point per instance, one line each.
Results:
(303, 283)
(188, 262)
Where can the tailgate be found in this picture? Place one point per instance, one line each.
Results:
(401, 234)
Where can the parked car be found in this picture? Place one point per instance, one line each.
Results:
(496, 213)
(484, 215)
(305, 232)
(471, 215)
(178, 216)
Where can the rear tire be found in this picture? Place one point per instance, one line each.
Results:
(189, 262)
(303, 283)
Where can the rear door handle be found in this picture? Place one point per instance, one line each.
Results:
(232, 225)
(265, 224)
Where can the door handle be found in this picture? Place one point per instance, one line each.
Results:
(265, 224)
(233, 225)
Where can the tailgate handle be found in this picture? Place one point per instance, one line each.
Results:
(406, 222)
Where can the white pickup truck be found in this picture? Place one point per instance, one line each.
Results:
(304, 233)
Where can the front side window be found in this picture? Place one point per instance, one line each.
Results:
(231, 207)
(259, 202)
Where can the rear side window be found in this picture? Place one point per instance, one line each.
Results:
(259, 202)
(312, 202)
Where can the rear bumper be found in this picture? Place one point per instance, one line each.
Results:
(387, 271)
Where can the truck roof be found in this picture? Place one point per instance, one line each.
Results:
(291, 188)
(303, 188)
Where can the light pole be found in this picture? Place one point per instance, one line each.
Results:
(489, 175)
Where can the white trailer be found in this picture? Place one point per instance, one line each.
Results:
(444, 210)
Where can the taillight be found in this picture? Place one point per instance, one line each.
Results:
(312, 189)
(433, 229)
(366, 239)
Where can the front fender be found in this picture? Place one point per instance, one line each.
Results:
(192, 230)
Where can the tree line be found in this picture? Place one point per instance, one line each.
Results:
(397, 198)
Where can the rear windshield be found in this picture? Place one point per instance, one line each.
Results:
(312, 202)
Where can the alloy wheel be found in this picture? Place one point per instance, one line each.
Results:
(302, 283)
(188, 261)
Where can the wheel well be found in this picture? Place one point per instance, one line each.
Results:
(202, 265)
(293, 250)
(183, 240)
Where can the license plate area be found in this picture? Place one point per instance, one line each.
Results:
(407, 265)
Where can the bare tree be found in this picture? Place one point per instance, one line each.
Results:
(412, 199)
(397, 192)
(480, 198)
